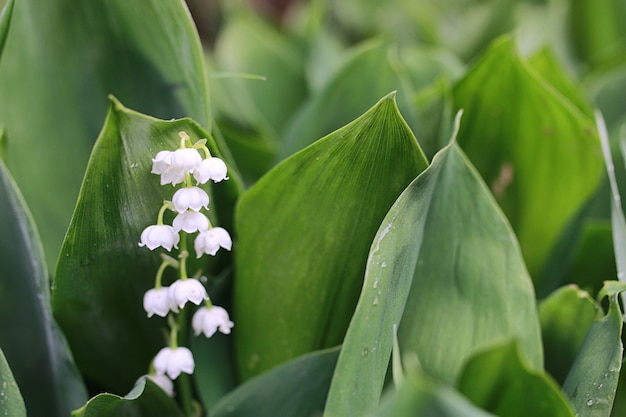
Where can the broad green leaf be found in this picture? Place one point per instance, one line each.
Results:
(297, 388)
(5, 23)
(144, 400)
(30, 339)
(102, 273)
(566, 316)
(537, 151)
(465, 263)
(304, 233)
(61, 60)
(247, 44)
(446, 268)
(368, 74)
(11, 402)
(593, 379)
(498, 380)
(419, 396)
(597, 31)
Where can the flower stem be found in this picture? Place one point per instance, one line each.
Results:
(183, 256)
(183, 381)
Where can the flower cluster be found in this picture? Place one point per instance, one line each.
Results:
(183, 166)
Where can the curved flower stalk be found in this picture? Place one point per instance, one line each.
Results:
(182, 166)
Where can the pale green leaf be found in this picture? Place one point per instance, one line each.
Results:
(441, 252)
(537, 151)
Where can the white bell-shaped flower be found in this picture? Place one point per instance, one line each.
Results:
(172, 176)
(210, 169)
(159, 235)
(208, 320)
(162, 381)
(161, 162)
(211, 240)
(173, 362)
(190, 221)
(157, 301)
(185, 159)
(184, 290)
(190, 198)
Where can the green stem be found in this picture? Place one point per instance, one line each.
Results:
(166, 205)
(183, 256)
(183, 381)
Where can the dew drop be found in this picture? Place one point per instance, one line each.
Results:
(383, 265)
(589, 403)
(375, 283)
(375, 301)
(365, 352)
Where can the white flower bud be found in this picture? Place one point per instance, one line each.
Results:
(190, 221)
(208, 320)
(211, 240)
(210, 169)
(185, 159)
(173, 362)
(156, 301)
(159, 235)
(193, 198)
(184, 290)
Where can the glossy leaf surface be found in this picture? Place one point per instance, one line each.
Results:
(61, 61)
(297, 388)
(102, 273)
(499, 381)
(30, 339)
(442, 250)
(535, 149)
(304, 233)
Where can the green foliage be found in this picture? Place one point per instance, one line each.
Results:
(498, 381)
(11, 402)
(145, 399)
(304, 231)
(61, 60)
(102, 273)
(476, 273)
(48, 379)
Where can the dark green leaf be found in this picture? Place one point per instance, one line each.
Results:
(304, 233)
(498, 380)
(11, 402)
(102, 274)
(443, 249)
(297, 388)
(566, 316)
(536, 150)
(30, 339)
(61, 60)
(145, 400)
(593, 379)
